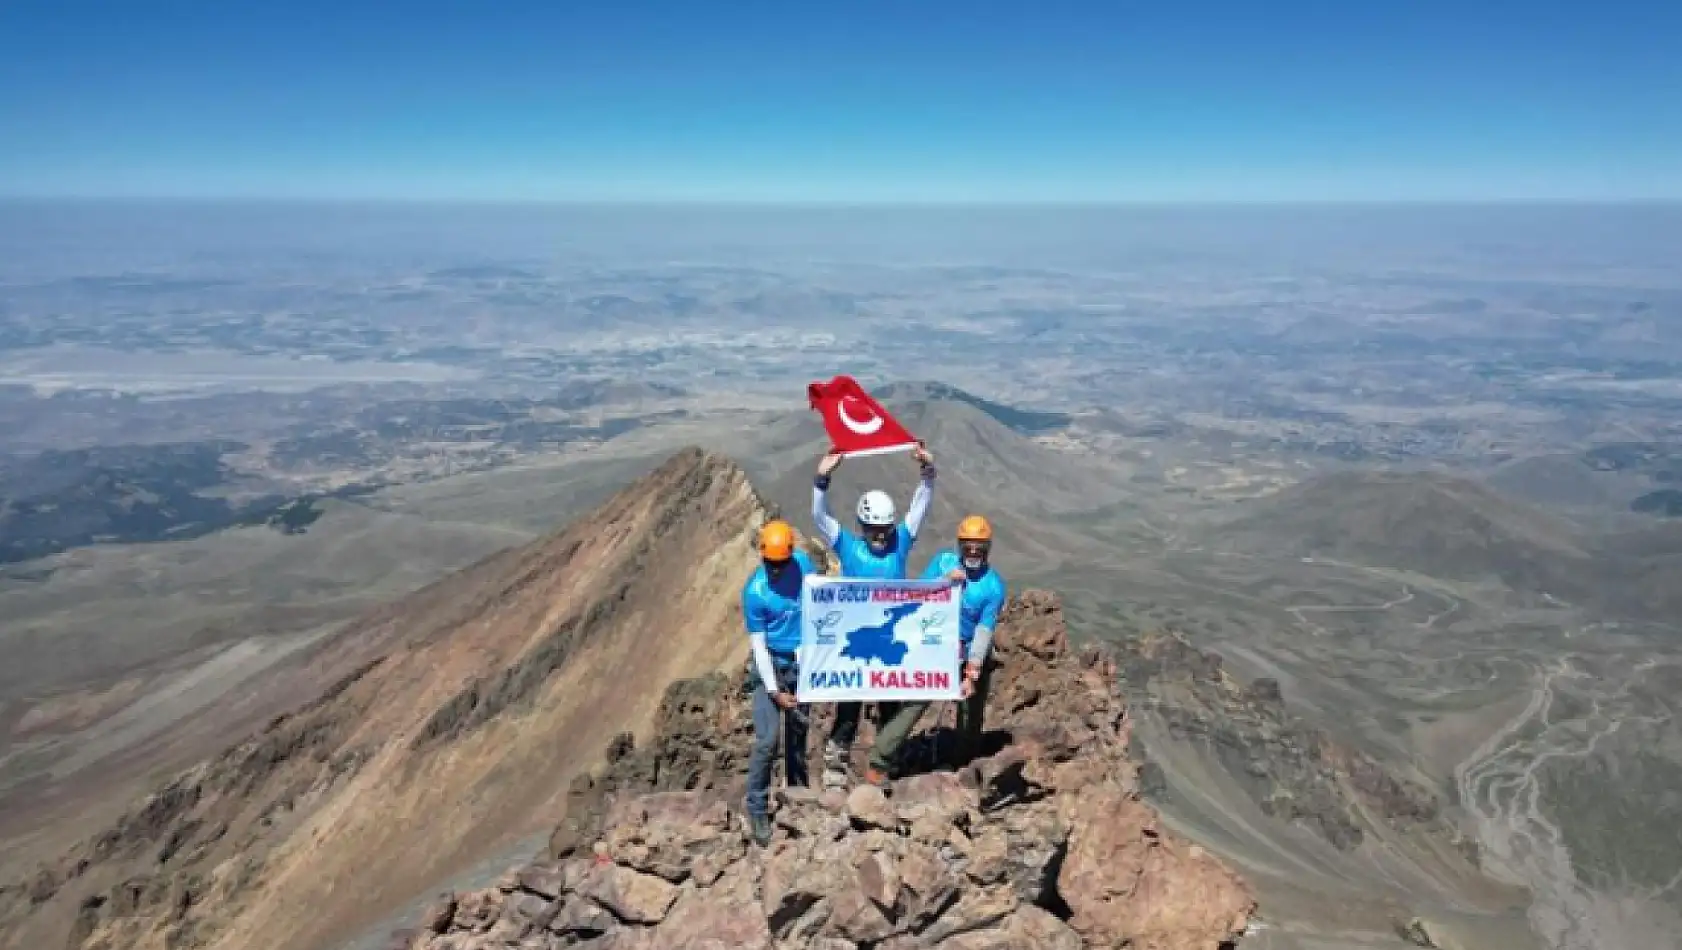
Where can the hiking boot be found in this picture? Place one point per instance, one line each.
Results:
(759, 826)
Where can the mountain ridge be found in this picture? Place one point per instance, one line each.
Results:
(464, 707)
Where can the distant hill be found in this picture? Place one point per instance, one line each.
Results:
(583, 393)
(1558, 480)
(1026, 421)
(1456, 529)
(1666, 503)
(984, 467)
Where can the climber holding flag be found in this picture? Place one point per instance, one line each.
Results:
(771, 612)
(857, 425)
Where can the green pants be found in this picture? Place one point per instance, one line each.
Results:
(970, 714)
(897, 720)
(894, 723)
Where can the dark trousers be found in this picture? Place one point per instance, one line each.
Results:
(846, 727)
(767, 718)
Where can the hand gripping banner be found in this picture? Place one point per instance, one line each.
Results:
(873, 640)
(856, 423)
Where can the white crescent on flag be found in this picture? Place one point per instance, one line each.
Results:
(862, 428)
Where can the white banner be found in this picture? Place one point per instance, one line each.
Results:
(870, 640)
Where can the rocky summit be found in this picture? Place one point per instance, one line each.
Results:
(1043, 842)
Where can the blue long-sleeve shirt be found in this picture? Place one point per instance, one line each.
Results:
(771, 613)
(979, 604)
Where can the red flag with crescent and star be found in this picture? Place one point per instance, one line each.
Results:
(856, 423)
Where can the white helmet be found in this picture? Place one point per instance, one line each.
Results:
(876, 508)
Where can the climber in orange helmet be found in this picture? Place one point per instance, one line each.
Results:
(771, 612)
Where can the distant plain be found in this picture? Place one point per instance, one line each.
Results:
(1236, 425)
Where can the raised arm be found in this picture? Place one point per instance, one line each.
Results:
(919, 507)
(828, 528)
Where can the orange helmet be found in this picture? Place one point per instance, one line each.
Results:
(776, 541)
(975, 528)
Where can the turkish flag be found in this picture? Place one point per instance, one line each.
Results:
(856, 423)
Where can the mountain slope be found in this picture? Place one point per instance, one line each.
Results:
(1455, 529)
(453, 723)
(1332, 839)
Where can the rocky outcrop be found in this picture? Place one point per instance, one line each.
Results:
(1292, 770)
(1042, 843)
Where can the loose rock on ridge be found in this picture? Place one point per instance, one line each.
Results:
(1044, 843)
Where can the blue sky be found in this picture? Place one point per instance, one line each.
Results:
(863, 101)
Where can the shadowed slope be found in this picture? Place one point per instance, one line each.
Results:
(454, 721)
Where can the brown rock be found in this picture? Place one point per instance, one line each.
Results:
(879, 879)
(575, 916)
(551, 879)
(939, 793)
(987, 858)
(1125, 881)
(812, 822)
(528, 911)
(476, 910)
(439, 913)
(855, 917)
(504, 932)
(630, 938)
(1035, 836)
(631, 895)
(795, 885)
(1034, 927)
(868, 808)
(977, 909)
(730, 916)
(709, 864)
(928, 885)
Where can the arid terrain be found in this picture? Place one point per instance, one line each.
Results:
(1378, 529)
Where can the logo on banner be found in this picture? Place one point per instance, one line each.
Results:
(930, 625)
(825, 628)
